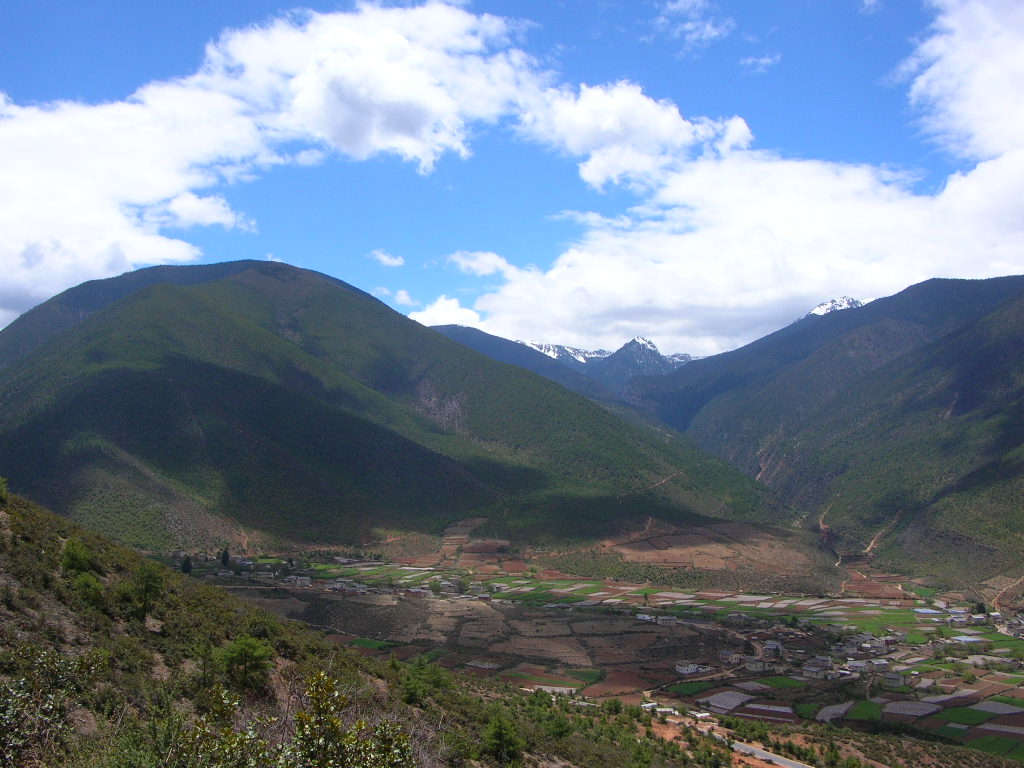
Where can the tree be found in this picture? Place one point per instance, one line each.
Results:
(502, 741)
(4, 493)
(77, 557)
(148, 583)
(186, 565)
(225, 558)
(246, 662)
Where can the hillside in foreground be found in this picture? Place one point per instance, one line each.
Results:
(108, 660)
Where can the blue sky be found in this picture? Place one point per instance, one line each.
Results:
(579, 172)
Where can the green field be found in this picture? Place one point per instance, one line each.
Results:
(588, 676)
(539, 680)
(806, 710)
(781, 682)
(964, 715)
(369, 642)
(1017, 753)
(995, 745)
(865, 710)
(690, 689)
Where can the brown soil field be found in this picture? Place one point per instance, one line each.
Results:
(726, 546)
(617, 681)
(635, 655)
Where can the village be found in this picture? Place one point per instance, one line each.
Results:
(929, 662)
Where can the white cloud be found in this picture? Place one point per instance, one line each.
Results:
(733, 243)
(403, 298)
(726, 241)
(88, 190)
(446, 311)
(695, 22)
(483, 263)
(624, 134)
(968, 77)
(761, 64)
(386, 259)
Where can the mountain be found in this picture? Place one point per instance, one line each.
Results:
(255, 399)
(835, 305)
(899, 425)
(639, 357)
(529, 357)
(613, 370)
(572, 357)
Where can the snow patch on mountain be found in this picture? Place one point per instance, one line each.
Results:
(835, 305)
(560, 351)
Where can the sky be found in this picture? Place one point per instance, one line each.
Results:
(697, 172)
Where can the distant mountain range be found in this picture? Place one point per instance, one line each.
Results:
(612, 370)
(253, 399)
(896, 426)
(598, 374)
(899, 424)
(178, 405)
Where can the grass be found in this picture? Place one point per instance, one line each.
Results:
(1007, 700)
(865, 710)
(588, 676)
(369, 642)
(1017, 753)
(957, 734)
(782, 682)
(806, 710)
(538, 679)
(964, 716)
(995, 745)
(690, 689)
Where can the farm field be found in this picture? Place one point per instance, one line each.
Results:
(598, 638)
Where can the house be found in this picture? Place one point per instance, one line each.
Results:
(896, 679)
(730, 657)
(691, 668)
(754, 664)
(667, 621)
(773, 648)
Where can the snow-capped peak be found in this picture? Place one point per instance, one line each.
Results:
(835, 305)
(644, 343)
(559, 351)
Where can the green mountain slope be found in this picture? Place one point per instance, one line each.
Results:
(899, 425)
(286, 404)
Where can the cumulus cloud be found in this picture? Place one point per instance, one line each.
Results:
(386, 259)
(483, 263)
(731, 242)
(446, 311)
(403, 298)
(89, 190)
(726, 240)
(624, 134)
